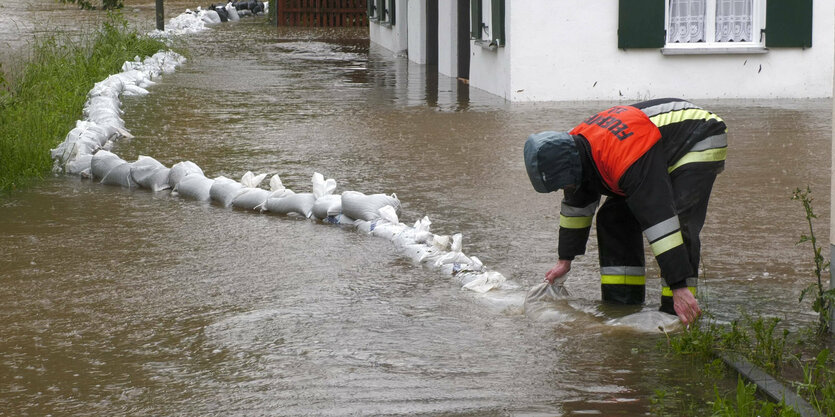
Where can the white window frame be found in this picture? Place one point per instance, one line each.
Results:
(710, 46)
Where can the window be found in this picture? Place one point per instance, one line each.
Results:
(381, 11)
(714, 26)
(716, 23)
(487, 23)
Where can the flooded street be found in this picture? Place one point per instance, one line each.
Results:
(126, 302)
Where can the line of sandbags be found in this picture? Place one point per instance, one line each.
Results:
(373, 214)
(103, 123)
(85, 152)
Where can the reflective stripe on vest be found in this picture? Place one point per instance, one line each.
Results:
(617, 137)
(676, 116)
(577, 217)
(622, 275)
(667, 292)
(707, 155)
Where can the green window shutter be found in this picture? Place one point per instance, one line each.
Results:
(378, 10)
(788, 23)
(370, 5)
(475, 19)
(391, 12)
(497, 15)
(641, 24)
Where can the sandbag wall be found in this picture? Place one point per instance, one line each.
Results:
(196, 21)
(86, 152)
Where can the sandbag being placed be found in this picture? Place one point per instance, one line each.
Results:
(181, 169)
(195, 186)
(301, 204)
(151, 174)
(359, 206)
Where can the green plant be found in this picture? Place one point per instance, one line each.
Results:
(88, 5)
(818, 384)
(47, 93)
(745, 404)
(823, 302)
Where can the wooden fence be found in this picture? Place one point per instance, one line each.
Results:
(322, 13)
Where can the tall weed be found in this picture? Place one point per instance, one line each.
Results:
(46, 97)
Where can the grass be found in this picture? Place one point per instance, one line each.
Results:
(804, 363)
(40, 102)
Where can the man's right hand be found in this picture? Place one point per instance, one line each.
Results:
(558, 271)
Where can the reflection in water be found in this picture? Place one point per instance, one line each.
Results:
(127, 302)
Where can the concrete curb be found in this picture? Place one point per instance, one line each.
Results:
(770, 386)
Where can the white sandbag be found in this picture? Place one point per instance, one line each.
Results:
(322, 187)
(546, 292)
(232, 11)
(422, 233)
(452, 258)
(327, 206)
(417, 252)
(224, 190)
(80, 166)
(301, 203)
(102, 162)
(150, 174)
(209, 16)
(366, 207)
(251, 198)
(250, 180)
(120, 175)
(481, 282)
(181, 170)
(195, 186)
(388, 230)
(441, 242)
(388, 214)
(134, 90)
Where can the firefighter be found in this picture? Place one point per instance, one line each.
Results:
(655, 162)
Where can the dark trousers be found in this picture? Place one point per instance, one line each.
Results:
(621, 241)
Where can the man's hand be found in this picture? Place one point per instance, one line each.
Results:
(686, 306)
(558, 271)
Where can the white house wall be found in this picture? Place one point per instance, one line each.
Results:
(417, 31)
(557, 50)
(394, 37)
(448, 38)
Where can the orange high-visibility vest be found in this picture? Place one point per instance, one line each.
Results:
(618, 137)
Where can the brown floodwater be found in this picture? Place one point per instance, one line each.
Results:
(127, 302)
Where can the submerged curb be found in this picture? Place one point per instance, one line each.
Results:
(767, 384)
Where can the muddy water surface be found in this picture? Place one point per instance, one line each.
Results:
(125, 302)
